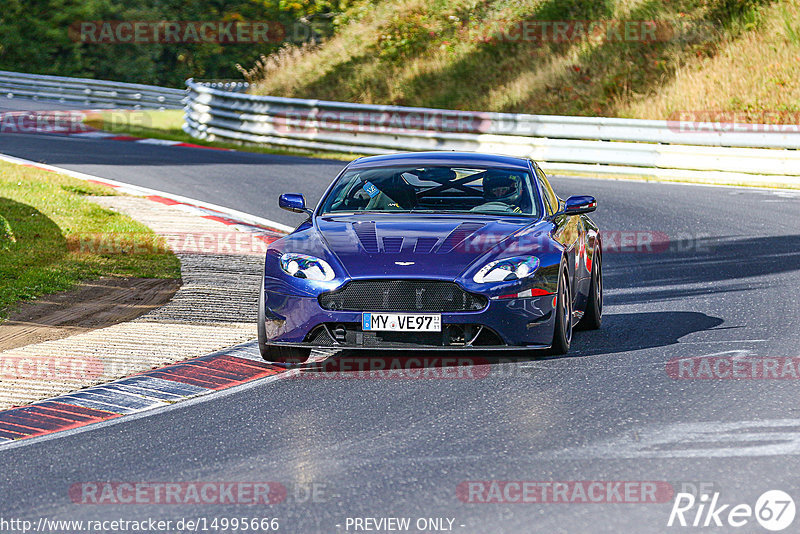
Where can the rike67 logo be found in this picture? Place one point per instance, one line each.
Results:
(774, 510)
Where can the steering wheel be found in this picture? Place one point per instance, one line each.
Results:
(495, 206)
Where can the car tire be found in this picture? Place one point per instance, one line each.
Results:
(283, 354)
(593, 317)
(562, 330)
(275, 353)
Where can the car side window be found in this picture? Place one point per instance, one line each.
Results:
(550, 195)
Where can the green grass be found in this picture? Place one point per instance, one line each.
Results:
(167, 124)
(44, 216)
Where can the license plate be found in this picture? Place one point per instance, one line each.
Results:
(402, 322)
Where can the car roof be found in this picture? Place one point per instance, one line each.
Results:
(445, 159)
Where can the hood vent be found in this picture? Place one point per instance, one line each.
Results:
(392, 245)
(459, 235)
(425, 245)
(366, 234)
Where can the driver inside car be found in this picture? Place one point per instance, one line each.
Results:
(392, 194)
(502, 191)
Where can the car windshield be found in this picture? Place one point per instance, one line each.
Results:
(433, 189)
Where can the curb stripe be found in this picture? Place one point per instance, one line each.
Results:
(149, 394)
(36, 421)
(162, 200)
(10, 429)
(16, 429)
(158, 387)
(108, 136)
(186, 379)
(215, 376)
(55, 414)
(151, 389)
(88, 413)
(98, 182)
(163, 386)
(192, 145)
(7, 435)
(126, 400)
(95, 405)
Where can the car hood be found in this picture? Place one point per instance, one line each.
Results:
(412, 245)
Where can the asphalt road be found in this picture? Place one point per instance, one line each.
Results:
(722, 281)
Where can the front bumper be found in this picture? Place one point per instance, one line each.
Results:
(503, 323)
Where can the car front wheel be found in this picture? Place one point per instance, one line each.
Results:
(276, 353)
(562, 332)
(593, 317)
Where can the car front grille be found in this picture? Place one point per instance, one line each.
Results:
(402, 296)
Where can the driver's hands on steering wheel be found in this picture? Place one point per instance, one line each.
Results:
(498, 207)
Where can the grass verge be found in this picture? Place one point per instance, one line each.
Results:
(720, 55)
(42, 217)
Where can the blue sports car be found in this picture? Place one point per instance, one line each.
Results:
(433, 250)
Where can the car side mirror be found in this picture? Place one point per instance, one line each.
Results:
(293, 202)
(575, 205)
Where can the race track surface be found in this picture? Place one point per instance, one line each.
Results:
(721, 279)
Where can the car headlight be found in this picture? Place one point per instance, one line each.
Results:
(306, 267)
(507, 269)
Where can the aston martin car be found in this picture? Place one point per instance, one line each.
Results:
(433, 250)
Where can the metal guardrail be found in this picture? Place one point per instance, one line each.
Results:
(597, 145)
(89, 92)
(232, 86)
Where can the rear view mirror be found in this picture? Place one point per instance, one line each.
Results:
(578, 204)
(293, 202)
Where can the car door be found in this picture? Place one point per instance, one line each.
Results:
(571, 233)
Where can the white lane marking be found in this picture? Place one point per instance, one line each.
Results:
(736, 354)
(723, 341)
(783, 193)
(660, 181)
(93, 135)
(136, 190)
(707, 439)
(150, 141)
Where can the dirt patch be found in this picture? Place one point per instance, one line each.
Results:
(96, 304)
